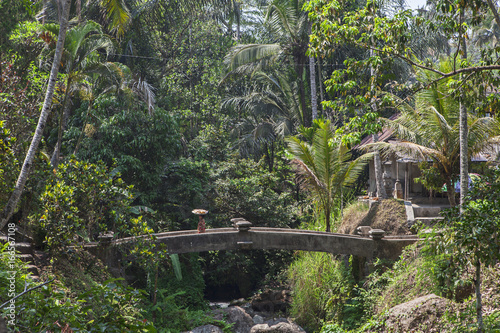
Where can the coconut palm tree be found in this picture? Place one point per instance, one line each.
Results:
(325, 166)
(270, 112)
(291, 28)
(431, 131)
(80, 60)
(117, 79)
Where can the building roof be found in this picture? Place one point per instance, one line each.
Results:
(383, 136)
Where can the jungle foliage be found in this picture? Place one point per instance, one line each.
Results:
(162, 107)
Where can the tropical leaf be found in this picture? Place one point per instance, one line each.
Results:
(118, 13)
(247, 53)
(177, 266)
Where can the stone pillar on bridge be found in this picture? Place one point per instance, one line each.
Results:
(243, 227)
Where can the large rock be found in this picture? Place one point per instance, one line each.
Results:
(235, 314)
(280, 326)
(206, 329)
(272, 301)
(420, 312)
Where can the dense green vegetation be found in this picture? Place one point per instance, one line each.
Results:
(124, 116)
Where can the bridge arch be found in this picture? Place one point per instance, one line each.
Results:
(244, 237)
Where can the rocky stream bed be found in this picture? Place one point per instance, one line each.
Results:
(264, 312)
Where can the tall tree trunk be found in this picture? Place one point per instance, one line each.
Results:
(464, 152)
(8, 211)
(494, 11)
(63, 120)
(155, 292)
(320, 79)
(312, 79)
(238, 20)
(381, 193)
(314, 95)
(479, 303)
(85, 122)
(302, 94)
(327, 217)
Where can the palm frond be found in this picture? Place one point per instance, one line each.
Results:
(247, 53)
(77, 34)
(482, 132)
(307, 179)
(146, 92)
(355, 168)
(282, 18)
(118, 12)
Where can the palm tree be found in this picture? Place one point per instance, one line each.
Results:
(270, 109)
(325, 166)
(80, 61)
(431, 131)
(291, 27)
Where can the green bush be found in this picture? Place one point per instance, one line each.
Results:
(83, 199)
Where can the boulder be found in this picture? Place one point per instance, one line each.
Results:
(420, 312)
(272, 301)
(280, 326)
(235, 314)
(206, 329)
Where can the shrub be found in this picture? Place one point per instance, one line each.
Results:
(83, 199)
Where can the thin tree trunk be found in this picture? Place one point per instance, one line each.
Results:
(155, 291)
(238, 20)
(314, 95)
(320, 79)
(312, 79)
(302, 95)
(79, 10)
(80, 137)
(8, 211)
(271, 157)
(327, 218)
(464, 153)
(479, 303)
(63, 120)
(381, 193)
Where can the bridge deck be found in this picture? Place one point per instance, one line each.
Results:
(275, 238)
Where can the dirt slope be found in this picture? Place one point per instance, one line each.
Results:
(388, 215)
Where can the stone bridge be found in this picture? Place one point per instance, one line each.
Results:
(242, 236)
